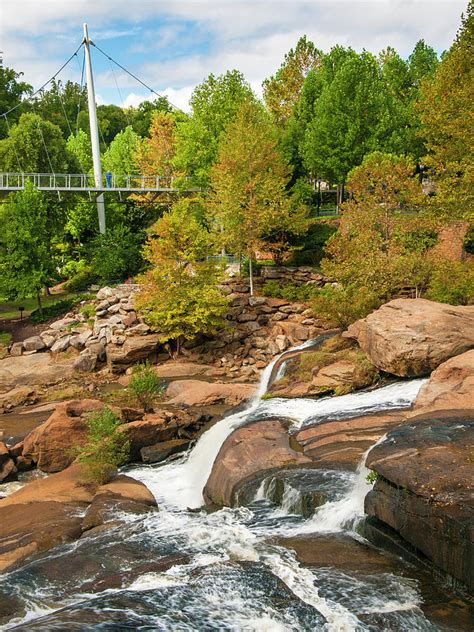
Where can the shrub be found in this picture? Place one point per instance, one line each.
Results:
(452, 282)
(105, 447)
(82, 280)
(145, 385)
(117, 254)
(289, 292)
(88, 310)
(468, 243)
(341, 306)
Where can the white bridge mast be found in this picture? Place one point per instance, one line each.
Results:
(94, 130)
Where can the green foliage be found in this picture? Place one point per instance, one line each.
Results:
(29, 221)
(105, 447)
(311, 250)
(179, 294)
(340, 306)
(79, 145)
(452, 282)
(87, 310)
(82, 280)
(289, 292)
(53, 310)
(116, 255)
(372, 477)
(214, 103)
(12, 90)
(60, 103)
(119, 158)
(468, 242)
(145, 385)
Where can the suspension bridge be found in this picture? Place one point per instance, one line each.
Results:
(95, 184)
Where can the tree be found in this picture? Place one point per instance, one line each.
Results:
(29, 224)
(119, 158)
(154, 155)
(179, 295)
(422, 63)
(446, 112)
(12, 90)
(79, 146)
(141, 117)
(115, 256)
(249, 201)
(25, 147)
(214, 104)
(281, 91)
(61, 104)
(112, 119)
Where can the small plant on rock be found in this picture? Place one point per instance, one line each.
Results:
(105, 447)
(145, 385)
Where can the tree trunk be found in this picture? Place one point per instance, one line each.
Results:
(178, 346)
(251, 275)
(40, 305)
(47, 291)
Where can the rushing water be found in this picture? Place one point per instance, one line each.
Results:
(228, 570)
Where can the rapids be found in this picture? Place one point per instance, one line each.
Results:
(231, 569)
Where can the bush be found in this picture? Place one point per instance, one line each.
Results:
(341, 306)
(87, 310)
(81, 281)
(468, 243)
(117, 254)
(145, 385)
(56, 309)
(289, 292)
(452, 282)
(105, 447)
(312, 250)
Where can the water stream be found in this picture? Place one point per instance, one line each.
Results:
(229, 569)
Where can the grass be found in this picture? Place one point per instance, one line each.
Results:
(9, 309)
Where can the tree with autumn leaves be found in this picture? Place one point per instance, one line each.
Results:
(249, 202)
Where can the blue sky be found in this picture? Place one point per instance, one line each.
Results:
(174, 45)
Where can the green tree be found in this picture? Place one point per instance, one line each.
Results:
(79, 146)
(60, 105)
(422, 63)
(141, 117)
(179, 295)
(249, 200)
(29, 223)
(116, 255)
(214, 104)
(448, 127)
(25, 147)
(12, 91)
(281, 91)
(119, 158)
(112, 119)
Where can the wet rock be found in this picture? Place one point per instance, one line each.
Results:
(33, 344)
(411, 337)
(161, 451)
(199, 393)
(424, 490)
(246, 455)
(451, 386)
(50, 445)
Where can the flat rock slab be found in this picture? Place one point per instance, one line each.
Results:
(185, 369)
(200, 393)
(247, 454)
(27, 370)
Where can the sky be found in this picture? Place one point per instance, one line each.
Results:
(172, 46)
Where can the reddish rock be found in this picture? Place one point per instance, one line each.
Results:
(50, 445)
(246, 454)
(199, 393)
(7, 464)
(425, 490)
(451, 386)
(411, 337)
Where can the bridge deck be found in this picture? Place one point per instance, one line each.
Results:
(86, 183)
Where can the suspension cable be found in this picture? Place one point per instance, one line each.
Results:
(135, 77)
(47, 82)
(14, 145)
(119, 92)
(42, 138)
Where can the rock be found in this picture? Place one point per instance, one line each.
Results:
(411, 337)
(49, 445)
(33, 344)
(247, 455)
(16, 349)
(341, 443)
(199, 393)
(138, 330)
(130, 319)
(96, 349)
(7, 464)
(80, 340)
(424, 490)
(48, 340)
(64, 323)
(86, 362)
(135, 349)
(161, 426)
(61, 345)
(255, 301)
(38, 368)
(16, 396)
(105, 293)
(175, 369)
(451, 386)
(161, 451)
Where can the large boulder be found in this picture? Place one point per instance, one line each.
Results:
(7, 464)
(50, 445)
(411, 337)
(134, 349)
(200, 393)
(247, 455)
(451, 386)
(38, 368)
(425, 488)
(61, 508)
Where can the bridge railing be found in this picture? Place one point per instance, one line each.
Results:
(75, 181)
